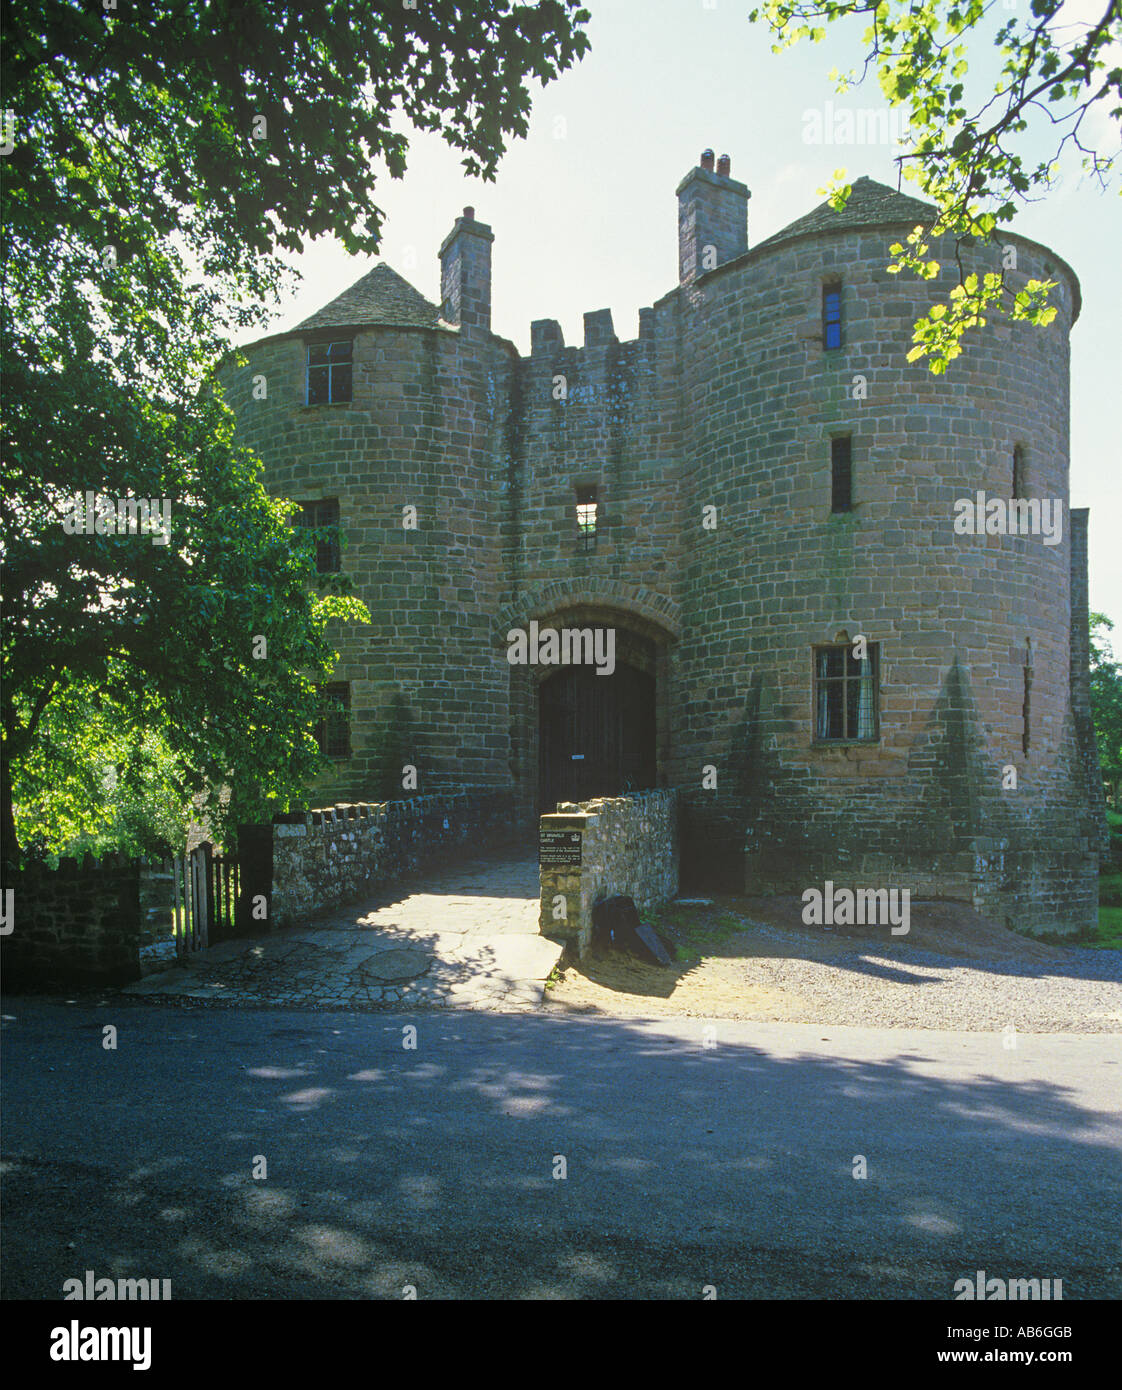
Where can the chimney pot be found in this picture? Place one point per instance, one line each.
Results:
(712, 219)
(465, 274)
(724, 166)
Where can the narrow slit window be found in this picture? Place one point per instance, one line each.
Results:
(333, 730)
(330, 367)
(846, 694)
(831, 315)
(841, 473)
(1019, 470)
(1026, 696)
(588, 518)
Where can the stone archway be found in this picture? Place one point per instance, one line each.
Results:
(619, 722)
(635, 606)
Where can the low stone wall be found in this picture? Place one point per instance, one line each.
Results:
(322, 859)
(628, 845)
(72, 926)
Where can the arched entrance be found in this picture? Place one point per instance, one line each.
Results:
(596, 734)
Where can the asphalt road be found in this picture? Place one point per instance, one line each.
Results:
(685, 1165)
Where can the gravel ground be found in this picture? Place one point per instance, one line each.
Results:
(753, 959)
(957, 971)
(898, 987)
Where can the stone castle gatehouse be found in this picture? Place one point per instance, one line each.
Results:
(757, 497)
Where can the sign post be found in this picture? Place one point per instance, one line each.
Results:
(559, 847)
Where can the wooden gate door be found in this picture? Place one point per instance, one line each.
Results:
(255, 879)
(596, 734)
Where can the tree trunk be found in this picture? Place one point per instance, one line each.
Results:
(9, 845)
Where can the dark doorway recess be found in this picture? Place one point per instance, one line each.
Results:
(596, 734)
(712, 850)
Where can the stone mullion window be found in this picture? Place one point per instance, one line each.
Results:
(846, 695)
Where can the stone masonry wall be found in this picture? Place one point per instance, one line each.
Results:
(74, 925)
(324, 858)
(708, 438)
(629, 846)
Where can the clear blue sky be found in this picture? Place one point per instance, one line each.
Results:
(584, 213)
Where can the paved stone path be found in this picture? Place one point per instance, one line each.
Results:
(465, 936)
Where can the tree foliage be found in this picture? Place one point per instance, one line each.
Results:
(163, 157)
(1106, 696)
(90, 783)
(993, 109)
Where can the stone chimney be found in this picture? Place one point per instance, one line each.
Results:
(465, 274)
(712, 218)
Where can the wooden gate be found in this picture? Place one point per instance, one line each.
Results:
(205, 888)
(596, 734)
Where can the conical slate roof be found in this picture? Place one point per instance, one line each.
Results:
(870, 204)
(381, 296)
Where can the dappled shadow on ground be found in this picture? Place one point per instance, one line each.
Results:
(470, 933)
(625, 974)
(945, 934)
(395, 965)
(756, 959)
(952, 930)
(436, 1167)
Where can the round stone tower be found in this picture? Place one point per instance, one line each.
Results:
(377, 416)
(888, 685)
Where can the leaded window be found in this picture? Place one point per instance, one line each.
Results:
(333, 729)
(329, 372)
(322, 518)
(831, 316)
(588, 518)
(841, 473)
(846, 693)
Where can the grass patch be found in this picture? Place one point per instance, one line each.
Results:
(1109, 934)
(1110, 887)
(691, 934)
